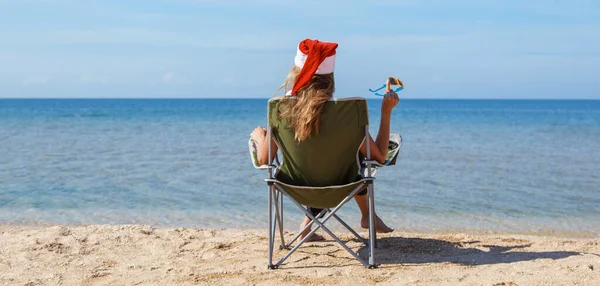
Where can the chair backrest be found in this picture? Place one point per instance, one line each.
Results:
(329, 157)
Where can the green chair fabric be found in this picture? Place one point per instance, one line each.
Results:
(323, 169)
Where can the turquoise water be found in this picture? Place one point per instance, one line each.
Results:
(500, 165)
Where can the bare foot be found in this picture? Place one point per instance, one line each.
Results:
(379, 225)
(313, 237)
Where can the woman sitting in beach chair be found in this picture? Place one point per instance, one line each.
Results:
(302, 108)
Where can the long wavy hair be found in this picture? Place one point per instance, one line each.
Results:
(303, 111)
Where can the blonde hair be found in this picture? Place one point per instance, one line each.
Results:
(303, 111)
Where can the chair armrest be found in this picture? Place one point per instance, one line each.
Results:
(392, 152)
(254, 158)
(393, 149)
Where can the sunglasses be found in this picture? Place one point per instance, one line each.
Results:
(392, 81)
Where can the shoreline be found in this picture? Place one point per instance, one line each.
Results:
(441, 231)
(132, 254)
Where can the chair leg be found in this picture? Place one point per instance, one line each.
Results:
(271, 227)
(372, 233)
(321, 224)
(349, 228)
(279, 217)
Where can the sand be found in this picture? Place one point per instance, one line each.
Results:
(143, 255)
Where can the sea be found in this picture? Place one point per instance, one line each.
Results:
(517, 166)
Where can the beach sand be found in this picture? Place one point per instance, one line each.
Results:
(143, 255)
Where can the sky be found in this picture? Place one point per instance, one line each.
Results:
(505, 49)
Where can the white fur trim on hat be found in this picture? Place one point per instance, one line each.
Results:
(327, 66)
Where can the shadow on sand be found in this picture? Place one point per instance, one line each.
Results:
(400, 250)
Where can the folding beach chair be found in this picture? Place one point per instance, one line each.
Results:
(324, 171)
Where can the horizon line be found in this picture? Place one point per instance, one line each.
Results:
(263, 98)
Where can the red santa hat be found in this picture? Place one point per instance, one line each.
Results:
(313, 57)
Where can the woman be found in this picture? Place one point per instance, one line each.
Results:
(313, 84)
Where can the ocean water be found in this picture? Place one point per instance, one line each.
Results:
(482, 165)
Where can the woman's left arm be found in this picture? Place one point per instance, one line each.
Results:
(260, 136)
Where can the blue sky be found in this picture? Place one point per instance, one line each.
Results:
(243, 49)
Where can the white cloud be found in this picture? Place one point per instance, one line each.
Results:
(37, 79)
(168, 77)
(266, 40)
(87, 79)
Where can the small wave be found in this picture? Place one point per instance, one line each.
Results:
(89, 115)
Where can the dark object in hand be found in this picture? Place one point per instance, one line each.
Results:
(395, 81)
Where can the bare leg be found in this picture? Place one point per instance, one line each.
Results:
(314, 237)
(363, 205)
